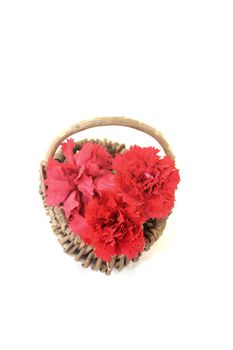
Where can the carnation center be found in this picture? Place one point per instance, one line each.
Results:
(149, 183)
(113, 228)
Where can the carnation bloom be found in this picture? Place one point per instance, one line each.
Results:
(149, 179)
(111, 226)
(73, 182)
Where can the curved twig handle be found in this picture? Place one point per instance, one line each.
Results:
(106, 121)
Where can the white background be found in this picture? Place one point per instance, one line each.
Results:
(169, 64)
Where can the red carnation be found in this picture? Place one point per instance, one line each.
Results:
(111, 226)
(148, 179)
(73, 182)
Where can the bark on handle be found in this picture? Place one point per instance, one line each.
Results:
(106, 121)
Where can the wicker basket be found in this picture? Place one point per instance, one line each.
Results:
(70, 242)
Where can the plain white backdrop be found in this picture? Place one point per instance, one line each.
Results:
(168, 64)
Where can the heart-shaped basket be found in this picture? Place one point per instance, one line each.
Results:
(71, 243)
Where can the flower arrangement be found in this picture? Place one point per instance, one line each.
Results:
(106, 199)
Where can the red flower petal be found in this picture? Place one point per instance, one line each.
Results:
(132, 248)
(68, 150)
(105, 182)
(57, 192)
(59, 186)
(80, 227)
(71, 203)
(86, 186)
(95, 158)
(105, 253)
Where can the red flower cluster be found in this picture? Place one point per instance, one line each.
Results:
(107, 199)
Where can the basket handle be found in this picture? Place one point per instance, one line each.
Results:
(106, 121)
